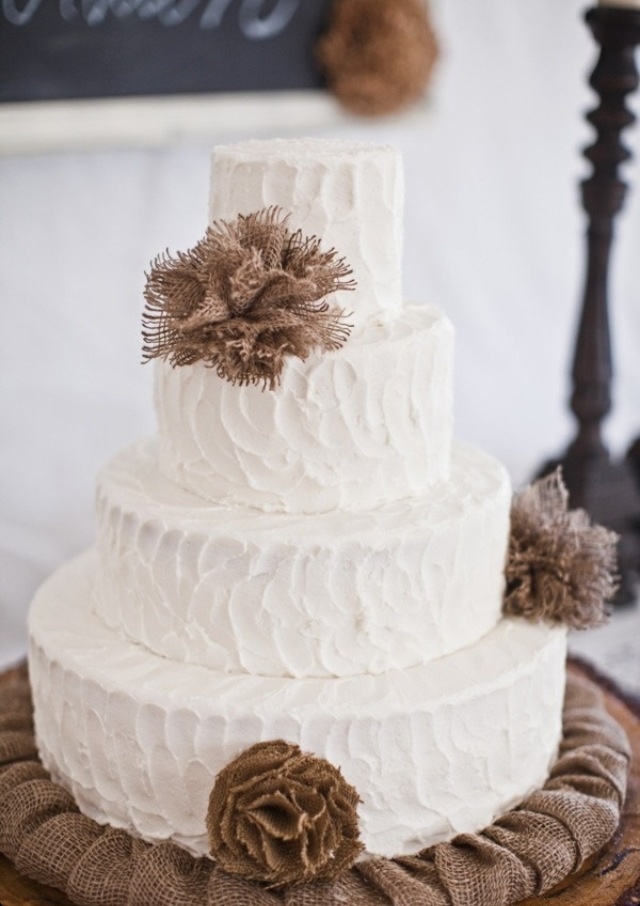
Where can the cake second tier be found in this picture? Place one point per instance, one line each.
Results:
(369, 423)
(276, 594)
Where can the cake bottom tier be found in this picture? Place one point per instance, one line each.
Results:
(433, 750)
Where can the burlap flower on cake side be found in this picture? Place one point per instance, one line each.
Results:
(377, 55)
(249, 294)
(561, 568)
(282, 817)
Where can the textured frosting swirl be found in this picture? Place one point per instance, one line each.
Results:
(335, 594)
(437, 749)
(350, 430)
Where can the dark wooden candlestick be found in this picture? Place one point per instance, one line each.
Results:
(607, 490)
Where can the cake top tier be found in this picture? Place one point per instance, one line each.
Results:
(347, 194)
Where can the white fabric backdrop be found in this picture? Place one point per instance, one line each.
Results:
(493, 235)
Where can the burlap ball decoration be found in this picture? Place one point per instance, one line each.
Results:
(377, 56)
(282, 817)
(244, 298)
(561, 568)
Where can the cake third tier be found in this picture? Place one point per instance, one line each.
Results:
(277, 594)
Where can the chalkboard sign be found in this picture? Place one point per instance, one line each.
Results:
(63, 49)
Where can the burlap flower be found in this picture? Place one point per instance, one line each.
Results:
(561, 567)
(244, 298)
(377, 56)
(282, 817)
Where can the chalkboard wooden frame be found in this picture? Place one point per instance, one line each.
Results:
(60, 90)
(40, 127)
(156, 122)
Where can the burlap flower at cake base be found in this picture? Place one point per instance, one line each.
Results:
(561, 568)
(282, 817)
(249, 294)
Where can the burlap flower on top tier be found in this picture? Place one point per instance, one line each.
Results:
(246, 296)
(282, 817)
(561, 567)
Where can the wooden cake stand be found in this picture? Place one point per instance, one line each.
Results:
(611, 879)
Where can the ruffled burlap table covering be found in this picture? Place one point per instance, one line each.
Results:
(557, 832)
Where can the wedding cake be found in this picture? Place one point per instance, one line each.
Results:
(308, 558)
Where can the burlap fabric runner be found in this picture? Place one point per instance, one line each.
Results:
(525, 853)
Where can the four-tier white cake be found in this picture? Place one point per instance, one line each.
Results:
(319, 563)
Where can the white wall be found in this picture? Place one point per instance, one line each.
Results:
(493, 235)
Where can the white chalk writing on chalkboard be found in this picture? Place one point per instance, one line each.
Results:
(253, 21)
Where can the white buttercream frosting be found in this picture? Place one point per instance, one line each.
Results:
(339, 593)
(434, 750)
(348, 194)
(347, 429)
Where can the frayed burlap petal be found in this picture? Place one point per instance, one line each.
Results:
(524, 853)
